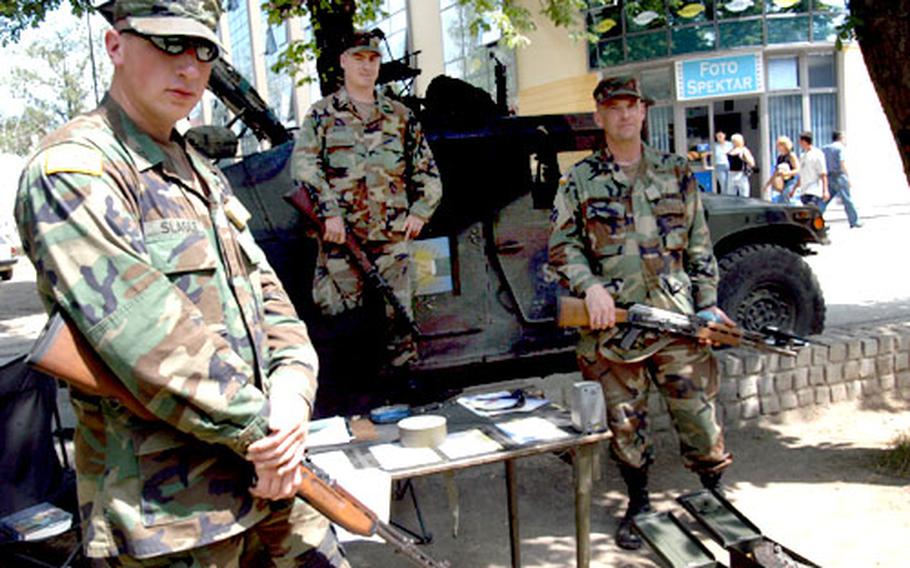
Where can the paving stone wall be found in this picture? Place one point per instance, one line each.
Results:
(859, 363)
(867, 362)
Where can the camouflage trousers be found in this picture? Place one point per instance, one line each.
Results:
(294, 534)
(686, 377)
(339, 286)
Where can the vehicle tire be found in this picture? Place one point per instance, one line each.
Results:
(767, 284)
(7, 275)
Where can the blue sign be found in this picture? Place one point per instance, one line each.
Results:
(719, 77)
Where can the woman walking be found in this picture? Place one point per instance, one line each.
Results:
(781, 182)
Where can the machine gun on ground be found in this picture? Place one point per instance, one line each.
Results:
(574, 313)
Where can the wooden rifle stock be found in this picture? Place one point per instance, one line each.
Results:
(62, 352)
(573, 312)
(302, 201)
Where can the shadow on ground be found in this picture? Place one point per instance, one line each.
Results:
(765, 459)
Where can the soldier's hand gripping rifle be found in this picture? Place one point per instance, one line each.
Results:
(62, 352)
(574, 313)
(302, 200)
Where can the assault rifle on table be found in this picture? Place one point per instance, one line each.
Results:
(302, 200)
(574, 313)
(62, 352)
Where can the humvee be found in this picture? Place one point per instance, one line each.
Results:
(486, 298)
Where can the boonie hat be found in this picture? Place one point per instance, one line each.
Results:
(191, 18)
(365, 41)
(621, 86)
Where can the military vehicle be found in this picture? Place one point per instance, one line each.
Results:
(486, 296)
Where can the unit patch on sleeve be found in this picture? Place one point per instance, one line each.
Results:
(73, 158)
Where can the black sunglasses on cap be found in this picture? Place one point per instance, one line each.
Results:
(206, 51)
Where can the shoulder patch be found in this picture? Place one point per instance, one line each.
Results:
(73, 158)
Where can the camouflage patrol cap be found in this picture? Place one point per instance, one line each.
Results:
(364, 41)
(193, 18)
(621, 86)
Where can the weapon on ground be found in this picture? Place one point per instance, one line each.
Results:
(574, 313)
(62, 352)
(302, 200)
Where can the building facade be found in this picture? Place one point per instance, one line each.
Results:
(761, 68)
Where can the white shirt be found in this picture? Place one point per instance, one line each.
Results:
(811, 167)
(720, 153)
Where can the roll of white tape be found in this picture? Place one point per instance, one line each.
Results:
(426, 431)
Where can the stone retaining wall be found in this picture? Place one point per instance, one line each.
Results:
(856, 363)
(868, 362)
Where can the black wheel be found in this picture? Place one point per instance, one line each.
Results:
(771, 285)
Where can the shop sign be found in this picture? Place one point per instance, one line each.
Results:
(719, 77)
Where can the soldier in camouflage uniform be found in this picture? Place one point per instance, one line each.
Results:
(139, 240)
(372, 173)
(628, 227)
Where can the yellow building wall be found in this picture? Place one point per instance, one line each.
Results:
(553, 74)
(557, 97)
(426, 37)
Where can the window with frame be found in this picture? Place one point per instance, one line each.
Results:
(393, 21)
(471, 56)
(279, 86)
(241, 49)
(624, 31)
(238, 17)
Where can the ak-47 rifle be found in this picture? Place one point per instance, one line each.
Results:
(574, 313)
(302, 200)
(62, 352)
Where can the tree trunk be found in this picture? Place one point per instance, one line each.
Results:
(333, 21)
(883, 31)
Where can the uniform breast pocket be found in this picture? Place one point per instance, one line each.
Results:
(605, 223)
(340, 149)
(670, 213)
(189, 261)
(390, 154)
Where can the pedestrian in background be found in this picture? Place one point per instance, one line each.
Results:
(838, 182)
(780, 184)
(741, 164)
(813, 174)
(721, 163)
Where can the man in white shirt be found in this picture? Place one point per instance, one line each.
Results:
(813, 174)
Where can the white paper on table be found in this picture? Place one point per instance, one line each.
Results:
(372, 486)
(396, 456)
(533, 429)
(328, 432)
(468, 443)
(333, 463)
(497, 403)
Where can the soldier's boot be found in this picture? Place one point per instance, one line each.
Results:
(639, 502)
(711, 481)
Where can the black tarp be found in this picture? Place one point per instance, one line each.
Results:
(30, 471)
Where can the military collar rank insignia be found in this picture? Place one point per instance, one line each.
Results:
(236, 212)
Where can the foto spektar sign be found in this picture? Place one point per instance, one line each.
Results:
(719, 76)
